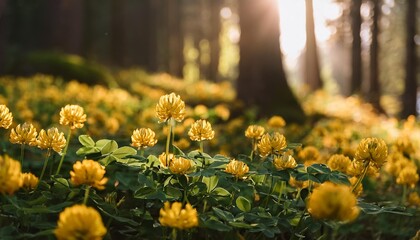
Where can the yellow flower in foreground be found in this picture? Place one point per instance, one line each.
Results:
(333, 202)
(175, 216)
(372, 149)
(143, 138)
(51, 139)
(24, 134)
(339, 162)
(90, 173)
(276, 122)
(237, 168)
(10, 175)
(413, 199)
(170, 106)
(180, 165)
(409, 177)
(201, 130)
(80, 222)
(29, 181)
(284, 162)
(165, 162)
(271, 144)
(254, 132)
(6, 117)
(73, 116)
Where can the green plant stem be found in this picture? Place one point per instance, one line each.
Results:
(64, 152)
(173, 234)
(168, 140)
(251, 156)
(205, 206)
(45, 165)
(85, 199)
(142, 152)
(293, 236)
(404, 194)
(22, 152)
(366, 166)
(11, 201)
(201, 146)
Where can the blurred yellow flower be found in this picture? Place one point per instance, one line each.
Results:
(356, 169)
(201, 111)
(29, 181)
(339, 162)
(51, 139)
(298, 184)
(404, 145)
(10, 175)
(24, 134)
(222, 111)
(284, 161)
(179, 165)
(88, 172)
(80, 222)
(271, 144)
(413, 199)
(309, 155)
(143, 138)
(182, 143)
(237, 168)
(175, 216)
(201, 130)
(73, 116)
(254, 132)
(6, 117)
(170, 106)
(165, 162)
(409, 177)
(333, 202)
(276, 122)
(372, 149)
(397, 163)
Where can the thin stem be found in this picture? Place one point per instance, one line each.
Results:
(205, 205)
(45, 165)
(22, 152)
(173, 234)
(254, 148)
(64, 152)
(366, 166)
(10, 201)
(142, 152)
(404, 194)
(168, 140)
(201, 146)
(85, 199)
(298, 225)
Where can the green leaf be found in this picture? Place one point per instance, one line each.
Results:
(216, 225)
(243, 204)
(123, 152)
(224, 215)
(318, 168)
(173, 193)
(211, 182)
(240, 225)
(86, 141)
(221, 192)
(107, 146)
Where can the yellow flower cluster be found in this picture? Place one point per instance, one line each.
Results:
(143, 138)
(174, 216)
(276, 122)
(254, 132)
(10, 175)
(201, 130)
(333, 202)
(24, 134)
(271, 144)
(29, 181)
(339, 162)
(6, 117)
(72, 116)
(88, 172)
(237, 168)
(409, 177)
(80, 222)
(164, 162)
(372, 150)
(309, 155)
(170, 106)
(179, 165)
(285, 161)
(51, 139)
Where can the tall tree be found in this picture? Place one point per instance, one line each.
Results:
(409, 96)
(356, 60)
(262, 80)
(312, 72)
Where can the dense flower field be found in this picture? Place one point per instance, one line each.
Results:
(153, 160)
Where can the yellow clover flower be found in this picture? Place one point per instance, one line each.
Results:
(175, 216)
(413, 199)
(254, 132)
(201, 130)
(51, 139)
(73, 116)
(165, 162)
(90, 173)
(408, 176)
(271, 144)
(29, 181)
(298, 184)
(6, 117)
(143, 138)
(80, 222)
(373, 150)
(339, 162)
(237, 168)
(10, 175)
(24, 134)
(170, 106)
(333, 202)
(309, 155)
(276, 122)
(179, 165)
(286, 161)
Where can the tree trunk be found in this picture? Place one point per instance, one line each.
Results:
(262, 80)
(356, 75)
(409, 97)
(312, 72)
(117, 32)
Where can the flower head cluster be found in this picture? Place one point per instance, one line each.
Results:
(339, 162)
(201, 130)
(297, 183)
(10, 175)
(179, 165)
(276, 122)
(143, 138)
(333, 202)
(80, 222)
(372, 149)
(164, 162)
(237, 168)
(6, 117)
(90, 173)
(73, 116)
(175, 216)
(309, 155)
(414, 199)
(285, 161)
(51, 139)
(409, 177)
(254, 132)
(24, 134)
(29, 181)
(170, 106)
(271, 144)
